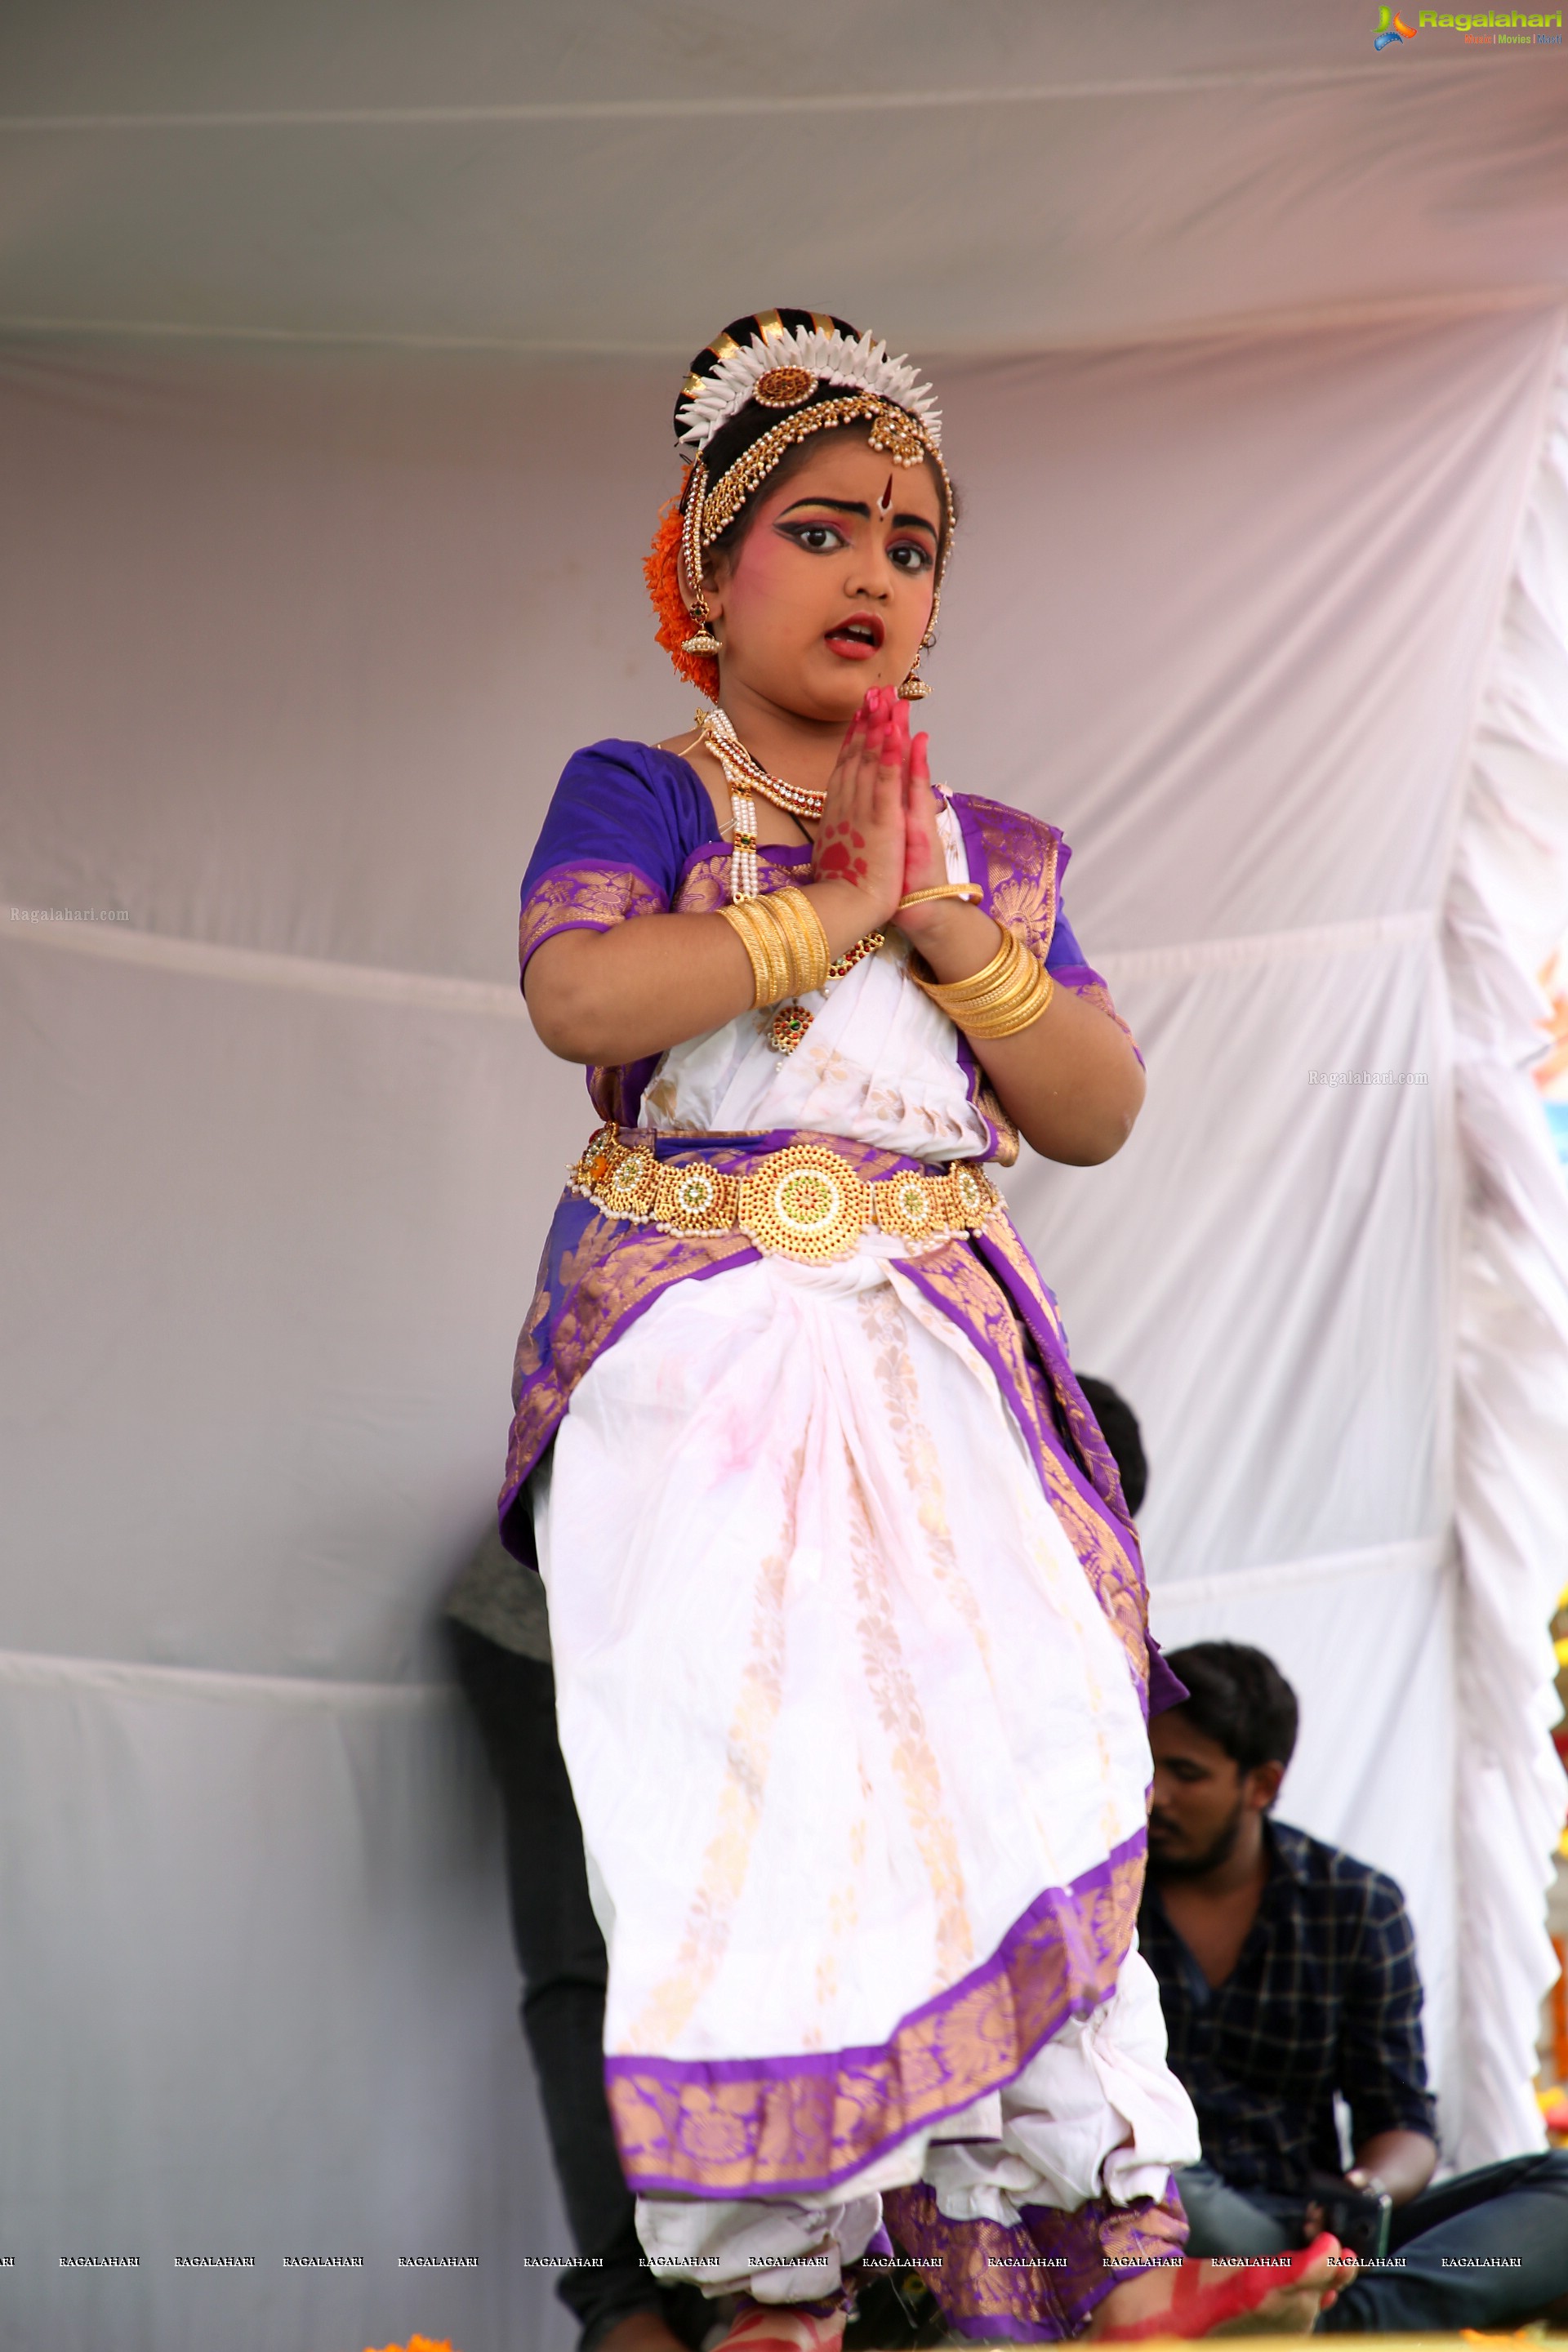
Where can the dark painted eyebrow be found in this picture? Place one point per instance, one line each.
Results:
(859, 507)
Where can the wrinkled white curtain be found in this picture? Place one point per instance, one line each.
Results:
(1507, 908)
(293, 648)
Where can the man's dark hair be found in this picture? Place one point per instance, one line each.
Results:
(1119, 1427)
(1239, 1699)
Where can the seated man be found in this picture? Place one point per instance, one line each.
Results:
(1287, 1974)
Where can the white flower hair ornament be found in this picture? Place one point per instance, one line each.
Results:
(747, 371)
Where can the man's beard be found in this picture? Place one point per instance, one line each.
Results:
(1168, 1866)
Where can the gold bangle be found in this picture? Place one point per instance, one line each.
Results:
(981, 995)
(967, 996)
(1008, 1020)
(805, 941)
(783, 936)
(1023, 1002)
(769, 929)
(970, 891)
(771, 923)
(735, 917)
(765, 952)
(951, 992)
(770, 932)
(1009, 993)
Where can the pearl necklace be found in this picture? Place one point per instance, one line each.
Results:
(749, 774)
(745, 775)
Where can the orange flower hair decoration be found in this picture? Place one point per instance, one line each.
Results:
(661, 570)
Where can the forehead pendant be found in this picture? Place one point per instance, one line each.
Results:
(783, 387)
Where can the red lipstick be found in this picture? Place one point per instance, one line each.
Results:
(857, 638)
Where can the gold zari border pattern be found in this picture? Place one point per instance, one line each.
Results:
(805, 1201)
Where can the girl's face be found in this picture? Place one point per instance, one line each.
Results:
(829, 592)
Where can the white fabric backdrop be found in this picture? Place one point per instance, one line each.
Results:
(292, 648)
(1507, 907)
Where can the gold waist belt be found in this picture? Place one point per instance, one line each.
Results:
(805, 1201)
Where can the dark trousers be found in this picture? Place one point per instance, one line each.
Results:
(561, 1954)
(1510, 2220)
(1514, 2214)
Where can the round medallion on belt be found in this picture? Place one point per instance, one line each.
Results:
(905, 1206)
(629, 1189)
(805, 1202)
(696, 1192)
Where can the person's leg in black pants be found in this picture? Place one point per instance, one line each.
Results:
(1487, 2250)
(562, 1956)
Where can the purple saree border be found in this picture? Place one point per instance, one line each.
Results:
(1055, 1357)
(511, 1494)
(1017, 1405)
(833, 2061)
(1160, 1689)
(990, 2278)
(1084, 1993)
(580, 922)
(775, 853)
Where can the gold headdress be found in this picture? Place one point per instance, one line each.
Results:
(786, 368)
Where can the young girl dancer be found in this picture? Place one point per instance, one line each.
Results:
(849, 1618)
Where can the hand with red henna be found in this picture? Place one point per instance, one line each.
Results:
(861, 840)
(925, 860)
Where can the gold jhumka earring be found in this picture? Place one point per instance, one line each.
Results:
(915, 688)
(703, 639)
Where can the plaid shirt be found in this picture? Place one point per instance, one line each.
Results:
(1325, 1997)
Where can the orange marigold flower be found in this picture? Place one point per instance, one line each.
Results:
(661, 570)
